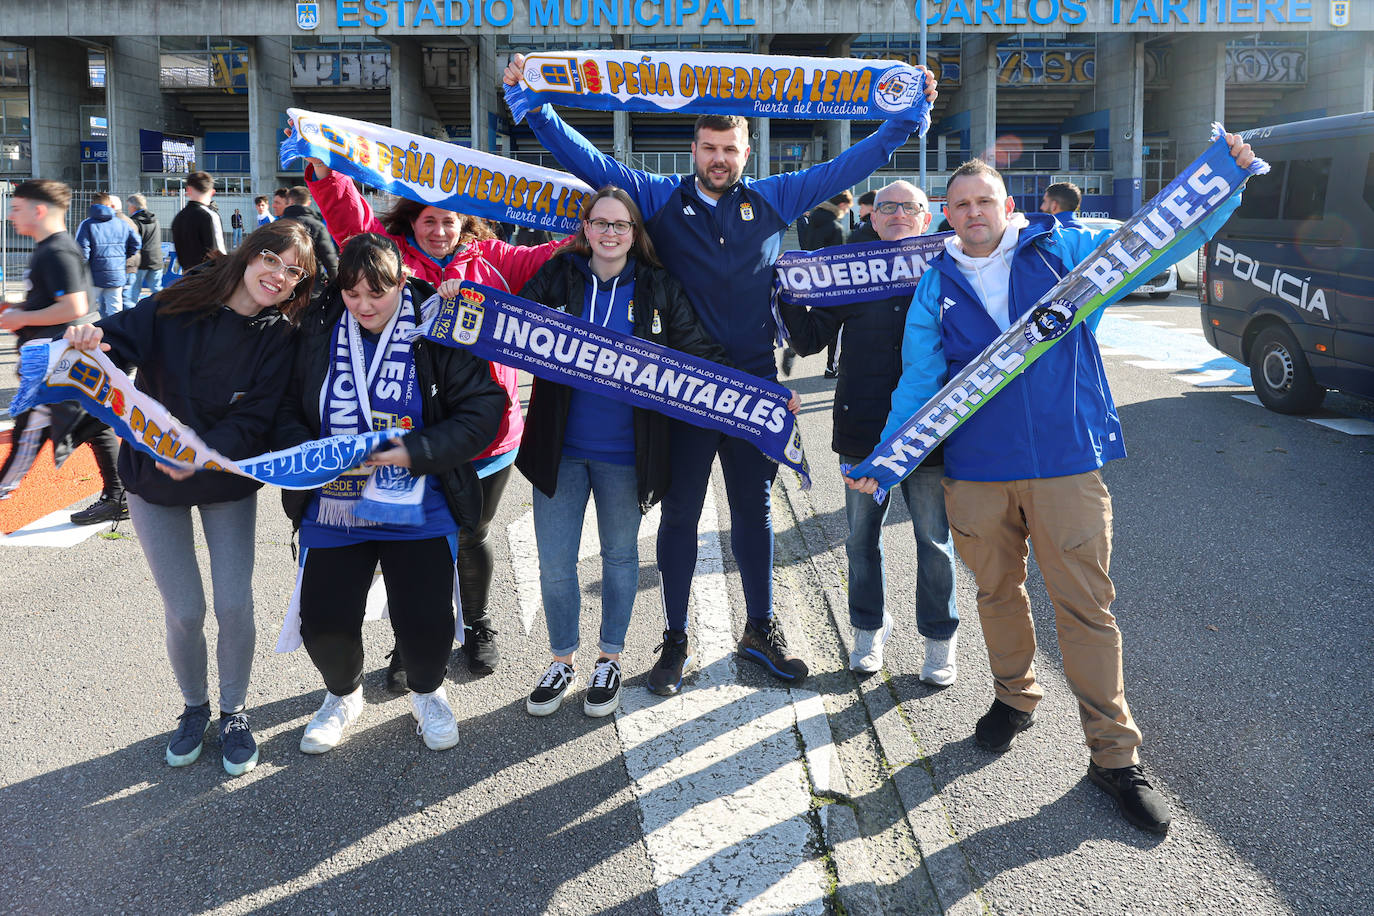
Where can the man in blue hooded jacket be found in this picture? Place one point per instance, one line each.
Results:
(1027, 467)
(719, 233)
(107, 243)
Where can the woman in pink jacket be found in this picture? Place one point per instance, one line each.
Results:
(439, 245)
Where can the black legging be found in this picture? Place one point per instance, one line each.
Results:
(419, 586)
(475, 561)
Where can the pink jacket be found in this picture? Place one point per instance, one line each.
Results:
(490, 262)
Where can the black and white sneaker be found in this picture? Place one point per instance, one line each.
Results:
(548, 695)
(603, 694)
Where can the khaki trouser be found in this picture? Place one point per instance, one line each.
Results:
(1069, 521)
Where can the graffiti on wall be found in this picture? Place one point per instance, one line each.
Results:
(1266, 65)
(344, 69)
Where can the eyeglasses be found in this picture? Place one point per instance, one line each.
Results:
(909, 207)
(616, 227)
(275, 264)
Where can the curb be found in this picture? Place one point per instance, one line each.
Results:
(946, 864)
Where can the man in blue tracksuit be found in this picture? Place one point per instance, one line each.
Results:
(719, 233)
(1027, 467)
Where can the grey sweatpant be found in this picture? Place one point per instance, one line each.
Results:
(166, 535)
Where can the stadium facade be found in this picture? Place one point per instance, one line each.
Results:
(1112, 94)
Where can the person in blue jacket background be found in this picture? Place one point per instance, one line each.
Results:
(1027, 466)
(719, 233)
(106, 243)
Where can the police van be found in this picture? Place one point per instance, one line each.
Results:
(1287, 285)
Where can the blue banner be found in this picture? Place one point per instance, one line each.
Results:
(53, 371)
(1149, 238)
(503, 328)
(854, 273)
(705, 82)
(437, 173)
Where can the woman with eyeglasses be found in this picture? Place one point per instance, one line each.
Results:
(215, 349)
(578, 443)
(359, 367)
(438, 245)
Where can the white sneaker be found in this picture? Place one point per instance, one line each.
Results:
(940, 666)
(325, 731)
(868, 647)
(437, 724)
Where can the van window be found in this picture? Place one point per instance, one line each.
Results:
(1305, 192)
(1262, 194)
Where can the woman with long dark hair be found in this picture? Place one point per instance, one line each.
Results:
(579, 444)
(360, 367)
(215, 349)
(438, 245)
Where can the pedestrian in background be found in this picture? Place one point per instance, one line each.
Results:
(197, 233)
(107, 242)
(58, 283)
(353, 370)
(148, 273)
(261, 204)
(236, 224)
(215, 349)
(130, 294)
(326, 252)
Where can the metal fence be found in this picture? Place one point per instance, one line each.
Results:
(16, 249)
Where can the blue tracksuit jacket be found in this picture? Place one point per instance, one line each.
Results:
(723, 255)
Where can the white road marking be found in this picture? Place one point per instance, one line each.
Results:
(52, 530)
(1348, 425)
(723, 794)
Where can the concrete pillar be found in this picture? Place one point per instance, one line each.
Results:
(620, 127)
(837, 132)
(133, 96)
(486, 80)
(269, 95)
(55, 98)
(1121, 91)
(412, 109)
(1197, 96)
(978, 94)
(762, 142)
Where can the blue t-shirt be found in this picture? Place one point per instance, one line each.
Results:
(599, 428)
(439, 521)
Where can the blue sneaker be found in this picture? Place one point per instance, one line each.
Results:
(237, 745)
(186, 742)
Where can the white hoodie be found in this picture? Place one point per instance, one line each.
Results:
(990, 277)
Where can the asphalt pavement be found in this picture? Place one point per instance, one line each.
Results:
(1244, 595)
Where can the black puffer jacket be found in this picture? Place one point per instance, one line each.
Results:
(462, 408)
(150, 234)
(220, 373)
(870, 365)
(562, 284)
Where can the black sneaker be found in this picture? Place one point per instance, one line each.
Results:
(1000, 725)
(396, 681)
(665, 678)
(768, 646)
(104, 509)
(603, 694)
(548, 694)
(236, 744)
(832, 373)
(479, 646)
(1139, 802)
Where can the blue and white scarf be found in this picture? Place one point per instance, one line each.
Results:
(360, 396)
(711, 82)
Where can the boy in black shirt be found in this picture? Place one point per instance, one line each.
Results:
(58, 293)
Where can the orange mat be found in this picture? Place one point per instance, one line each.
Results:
(47, 489)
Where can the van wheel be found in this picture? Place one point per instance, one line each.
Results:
(1280, 374)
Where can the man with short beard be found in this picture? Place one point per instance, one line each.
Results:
(870, 366)
(719, 233)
